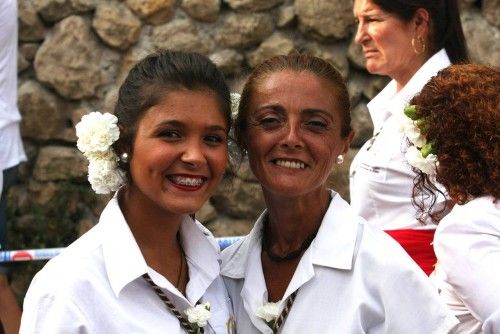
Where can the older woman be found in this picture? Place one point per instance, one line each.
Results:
(310, 264)
(409, 41)
(458, 114)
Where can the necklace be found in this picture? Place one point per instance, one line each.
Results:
(291, 255)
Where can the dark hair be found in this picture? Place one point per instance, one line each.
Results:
(460, 109)
(149, 79)
(299, 63)
(445, 26)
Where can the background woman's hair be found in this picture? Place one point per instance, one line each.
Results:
(445, 25)
(299, 63)
(154, 77)
(460, 107)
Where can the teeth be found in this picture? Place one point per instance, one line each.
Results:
(290, 164)
(187, 181)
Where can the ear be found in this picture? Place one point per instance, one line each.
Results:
(421, 22)
(347, 142)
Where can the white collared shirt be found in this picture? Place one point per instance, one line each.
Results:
(352, 279)
(95, 285)
(467, 245)
(381, 180)
(11, 146)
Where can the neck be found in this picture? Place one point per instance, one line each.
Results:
(292, 219)
(404, 75)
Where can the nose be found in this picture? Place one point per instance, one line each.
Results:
(292, 137)
(193, 154)
(360, 33)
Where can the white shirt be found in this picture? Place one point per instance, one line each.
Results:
(467, 245)
(95, 285)
(381, 180)
(11, 146)
(353, 278)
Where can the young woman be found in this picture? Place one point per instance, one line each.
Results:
(458, 121)
(147, 266)
(310, 264)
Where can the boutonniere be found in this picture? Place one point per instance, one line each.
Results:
(198, 316)
(268, 312)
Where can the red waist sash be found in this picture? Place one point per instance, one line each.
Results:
(418, 244)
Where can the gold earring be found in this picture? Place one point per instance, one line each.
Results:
(414, 45)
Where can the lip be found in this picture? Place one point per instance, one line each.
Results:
(289, 164)
(187, 182)
(370, 52)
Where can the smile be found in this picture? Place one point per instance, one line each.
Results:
(187, 181)
(290, 164)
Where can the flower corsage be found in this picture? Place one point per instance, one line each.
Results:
(421, 154)
(198, 316)
(96, 132)
(268, 312)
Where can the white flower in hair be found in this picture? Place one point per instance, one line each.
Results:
(235, 103)
(415, 158)
(96, 132)
(199, 315)
(412, 132)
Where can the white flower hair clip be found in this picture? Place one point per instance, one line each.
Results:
(96, 132)
(421, 154)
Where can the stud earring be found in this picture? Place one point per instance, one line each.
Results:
(340, 159)
(124, 158)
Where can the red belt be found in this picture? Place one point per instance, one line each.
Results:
(418, 244)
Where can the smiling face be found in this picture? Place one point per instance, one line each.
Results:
(294, 133)
(386, 41)
(179, 152)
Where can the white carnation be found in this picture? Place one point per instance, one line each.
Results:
(268, 311)
(96, 132)
(199, 315)
(415, 159)
(104, 175)
(413, 133)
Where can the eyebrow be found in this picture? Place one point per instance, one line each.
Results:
(178, 124)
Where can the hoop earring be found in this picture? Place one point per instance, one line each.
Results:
(340, 159)
(414, 45)
(124, 158)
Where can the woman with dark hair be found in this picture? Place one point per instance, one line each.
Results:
(457, 119)
(409, 41)
(147, 266)
(310, 264)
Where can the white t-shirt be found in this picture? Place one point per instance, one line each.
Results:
(11, 146)
(381, 180)
(353, 278)
(467, 245)
(95, 285)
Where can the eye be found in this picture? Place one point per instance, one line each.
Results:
(214, 139)
(317, 124)
(169, 134)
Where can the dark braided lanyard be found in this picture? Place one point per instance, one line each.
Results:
(184, 323)
(281, 318)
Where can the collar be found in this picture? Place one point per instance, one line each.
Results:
(389, 101)
(125, 263)
(334, 245)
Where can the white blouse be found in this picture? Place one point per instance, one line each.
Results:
(353, 278)
(381, 180)
(95, 285)
(467, 245)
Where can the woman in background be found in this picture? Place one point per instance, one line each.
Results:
(409, 41)
(147, 266)
(458, 120)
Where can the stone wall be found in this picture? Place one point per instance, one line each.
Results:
(73, 55)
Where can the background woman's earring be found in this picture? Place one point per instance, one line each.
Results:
(124, 158)
(340, 159)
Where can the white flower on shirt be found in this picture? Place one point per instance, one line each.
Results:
(268, 312)
(199, 315)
